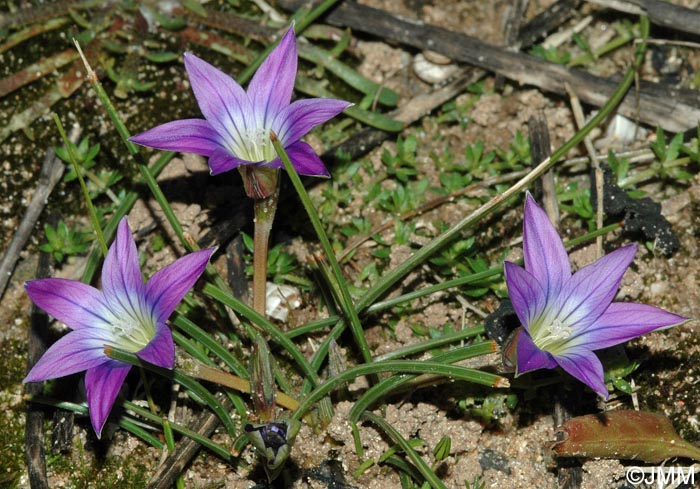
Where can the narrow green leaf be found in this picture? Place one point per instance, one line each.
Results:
(338, 284)
(374, 119)
(276, 335)
(348, 75)
(188, 382)
(411, 454)
(214, 346)
(161, 57)
(400, 366)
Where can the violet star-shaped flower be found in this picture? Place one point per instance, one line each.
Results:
(237, 124)
(566, 317)
(127, 314)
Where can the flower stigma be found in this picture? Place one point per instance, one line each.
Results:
(553, 334)
(255, 145)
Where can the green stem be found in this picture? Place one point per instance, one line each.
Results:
(426, 345)
(136, 430)
(265, 210)
(610, 46)
(129, 424)
(78, 171)
(147, 388)
(133, 149)
(123, 208)
(340, 290)
(478, 277)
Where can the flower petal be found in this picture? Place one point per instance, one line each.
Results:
(74, 303)
(305, 160)
(590, 290)
(122, 282)
(166, 288)
(622, 322)
(161, 349)
(584, 365)
(77, 351)
(223, 102)
(186, 135)
(526, 294)
(222, 161)
(545, 255)
(529, 357)
(270, 89)
(297, 119)
(102, 384)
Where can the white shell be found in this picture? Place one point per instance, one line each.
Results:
(620, 133)
(281, 299)
(430, 72)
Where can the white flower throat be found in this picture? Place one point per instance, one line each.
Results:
(254, 145)
(132, 332)
(551, 333)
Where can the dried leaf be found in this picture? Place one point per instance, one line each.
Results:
(622, 434)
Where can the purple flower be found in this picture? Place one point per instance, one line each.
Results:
(127, 314)
(237, 124)
(565, 317)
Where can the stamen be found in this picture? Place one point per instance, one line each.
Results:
(255, 146)
(559, 330)
(132, 332)
(553, 334)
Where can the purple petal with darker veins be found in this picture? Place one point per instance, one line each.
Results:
(590, 290)
(74, 303)
(122, 281)
(186, 135)
(166, 288)
(305, 160)
(622, 322)
(77, 351)
(102, 385)
(526, 294)
(222, 161)
(529, 357)
(545, 255)
(223, 102)
(582, 364)
(271, 87)
(297, 119)
(161, 349)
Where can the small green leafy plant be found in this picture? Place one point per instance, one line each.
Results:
(280, 264)
(85, 157)
(63, 241)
